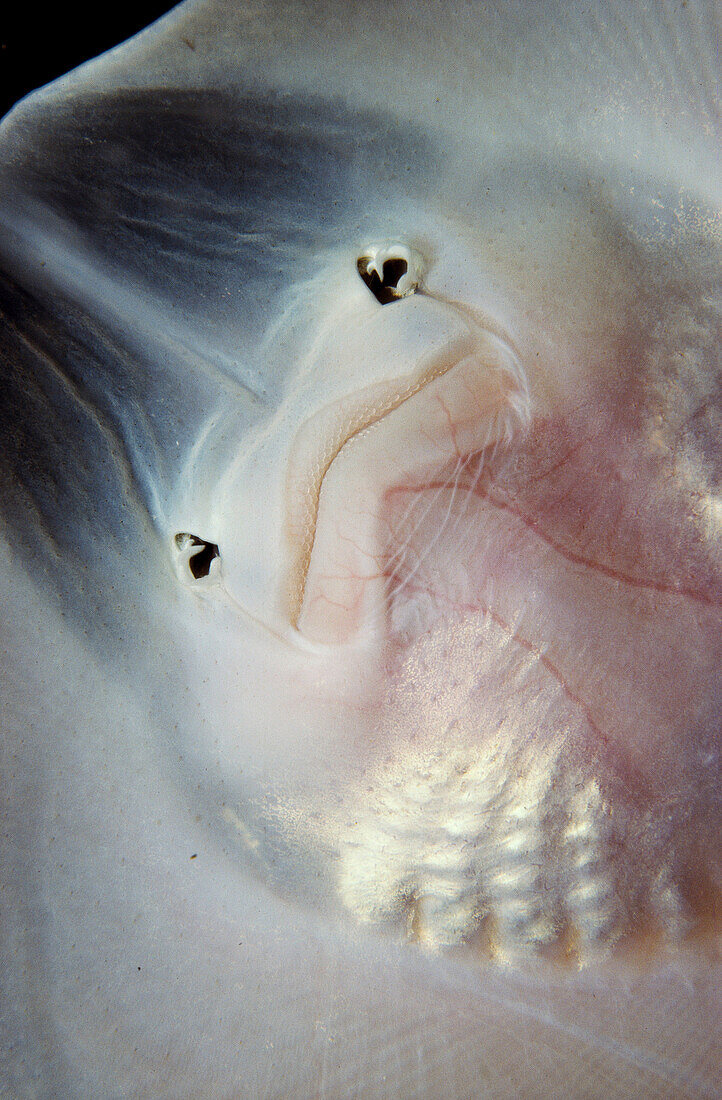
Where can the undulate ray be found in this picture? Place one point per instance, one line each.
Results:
(362, 573)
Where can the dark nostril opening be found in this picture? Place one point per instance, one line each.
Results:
(203, 553)
(393, 271)
(200, 563)
(384, 290)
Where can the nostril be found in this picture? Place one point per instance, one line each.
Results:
(382, 292)
(393, 271)
(390, 273)
(197, 554)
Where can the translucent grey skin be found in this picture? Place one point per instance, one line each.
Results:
(179, 220)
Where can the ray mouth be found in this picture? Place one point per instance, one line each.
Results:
(336, 426)
(349, 425)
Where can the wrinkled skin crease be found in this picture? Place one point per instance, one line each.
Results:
(243, 861)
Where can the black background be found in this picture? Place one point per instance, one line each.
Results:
(39, 42)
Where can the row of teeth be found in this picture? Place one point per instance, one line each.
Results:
(527, 847)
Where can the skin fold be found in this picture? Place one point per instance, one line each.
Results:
(362, 559)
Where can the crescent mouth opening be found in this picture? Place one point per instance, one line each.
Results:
(403, 435)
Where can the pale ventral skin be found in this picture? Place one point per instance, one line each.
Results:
(361, 500)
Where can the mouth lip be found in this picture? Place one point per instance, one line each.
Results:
(342, 427)
(301, 532)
